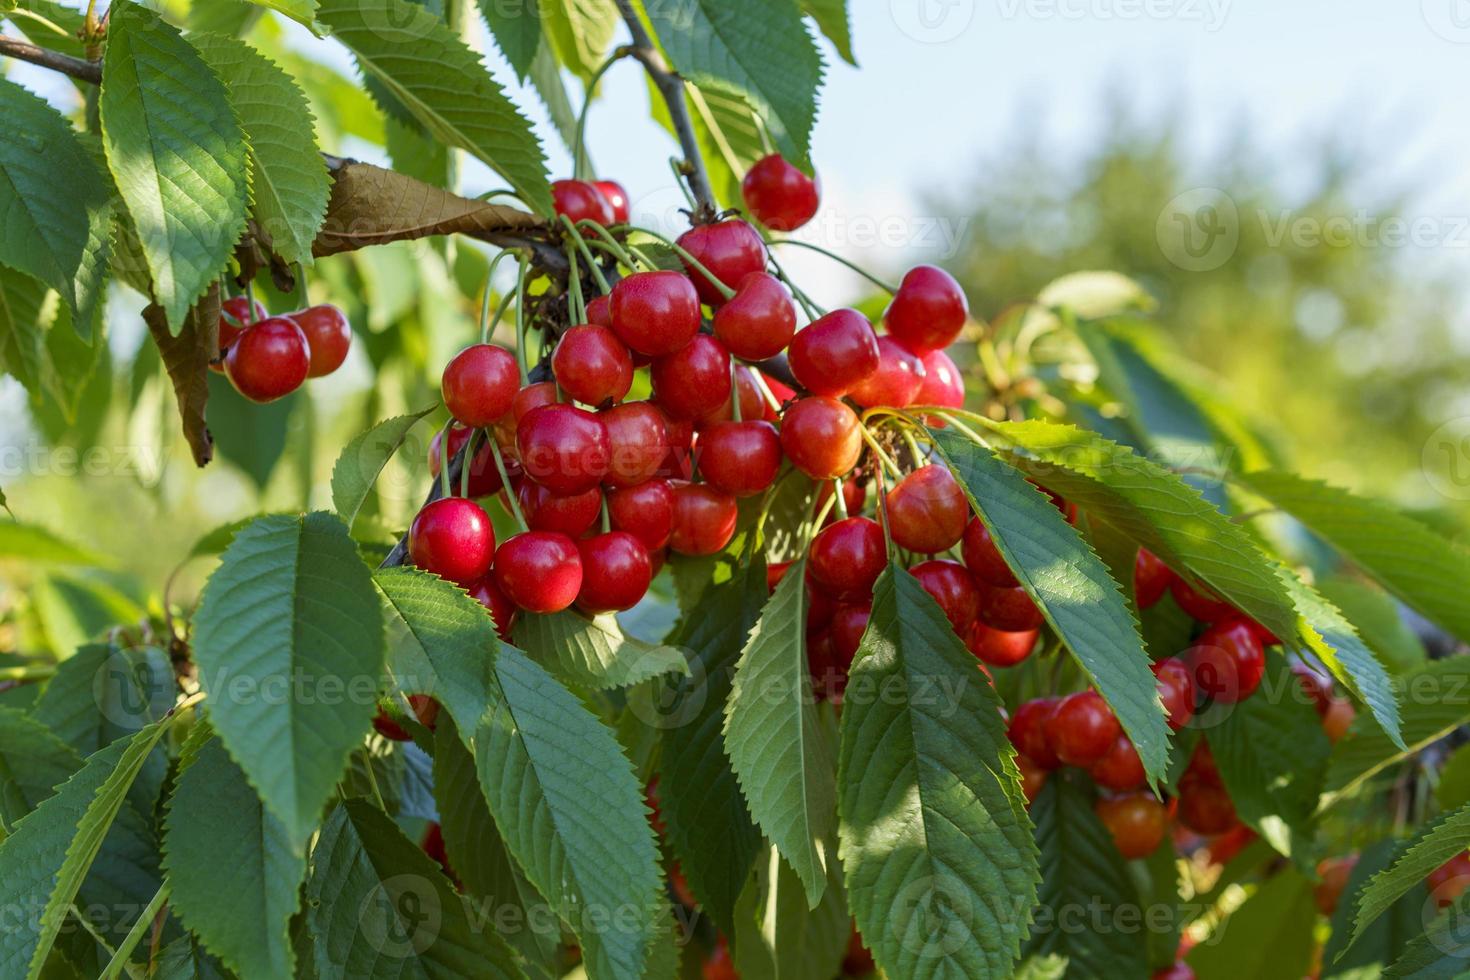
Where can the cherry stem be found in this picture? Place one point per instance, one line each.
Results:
(581, 160)
(581, 243)
(822, 513)
(606, 516)
(813, 311)
(521, 320)
(883, 514)
(765, 390)
(303, 295)
(878, 452)
(486, 326)
(469, 457)
(574, 283)
(444, 488)
(677, 167)
(373, 780)
(250, 302)
(735, 391)
(619, 249)
(699, 266)
(913, 444)
(885, 286)
(510, 494)
(838, 496)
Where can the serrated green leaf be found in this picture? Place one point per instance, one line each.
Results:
(569, 808)
(1081, 869)
(185, 959)
(1453, 788)
(1386, 938)
(594, 653)
(1268, 937)
(1376, 616)
(1431, 846)
(1070, 585)
(937, 848)
(55, 206)
(288, 179)
(776, 745)
(760, 49)
(289, 642)
(23, 353)
(1441, 952)
(1422, 568)
(176, 152)
(33, 762)
(445, 85)
(103, 693)
(237, 891)
(580, 31)
(379, 907)
(301, 11)
(516, 27)
(833, 21)
(364, 458)
(778, 937)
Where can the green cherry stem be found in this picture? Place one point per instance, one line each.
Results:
(885, 286)
(813, 311)
(445, 490)
(765, 390)
(839, 497)
(574, 283)
(486, 326)
(510, 495)
(521, 320)
(625, 253)
(469, 456)
(677, 167)
(878, 452)
(581, 243)
(581, 161)
(699, 266)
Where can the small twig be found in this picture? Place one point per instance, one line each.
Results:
(78, 68)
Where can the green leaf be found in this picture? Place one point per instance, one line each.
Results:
(1071, 586)
(1422, 568)
(364, 458)
(33, 762)
(1386, 938)
(36, 544)
(301, 11)
(236, 891)
(185, 959)
(1268, 937)
(516, 27)
(444, 84)
(1434, 844)
(1453, 789)
(938, 851)
(379, 907)
(23, 353)
(289, 642)
(833, 21)
(440, 642)
(1377, 619)
(594, 653)
(56, 205)
(288, 177)
(760, 49)
(778, 936)
(1442, 952)
(250, 435)
(176, 152)
(580, 31)
(1081, 869)
(777, 747)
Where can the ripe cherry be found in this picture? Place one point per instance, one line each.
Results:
(1000, 648)
(1120, 768)
(581, 201)
(540, 571)
(502, 610)
(752, 404)
(532, 396)
(1179, 970)
(694, 380)
(740, 458)
(953, 588)
(834, 353)
(1137, 822)
(480, 385)
(928, 311)
(1227, 662)
(1151, 578)
(679, 463)
(704, 519)
(484, 477)
(327, 336)
(1027, 731)
(1082, 729)
(854, 497)
(453, 538)
(759, 321)
(1008, 609)
(615, 572)
(570, 515)
(847, 557)
(1175, 682)
(425, 709)
(1199, 605)
(269, 360)
(1334, 874)
(655, 313)
(848, 624)
(1204, 806)
(826, 665)
(943, 383)
(638, 441)
(1338, 718)
(1315, 686)
(820, 436)
(617, 198)
(1449, 881)
(779, 195)
(927, 510)
(984, 559)
(592, 365)
(897, 381)
(1033, 778)
(730, 249)
(563, 448)
(645, 511)
(599, 311)
(236, 314)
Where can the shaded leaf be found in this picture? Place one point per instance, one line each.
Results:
(1431, 846)
(33, 762)
(364, 458)
(1269, 936)
(594, 653)
(580, 31)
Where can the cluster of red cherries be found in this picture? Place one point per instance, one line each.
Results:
(268, 357)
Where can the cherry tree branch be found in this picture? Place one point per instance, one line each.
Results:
(82, 70)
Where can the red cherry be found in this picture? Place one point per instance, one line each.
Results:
(563, 448)
(268, 360)
(532, 396)
(1008, 609)
(1334, 874)
(849, 623)
(1204, 806)
(1000, 648)
(834, 353)
(1227, 661)
(1082, 729)
(719, 966)
(655, 313)
(752, 404)
(480, 385)
(1033, 778)
(1178, 971)
(1137, 822)
(1338, 718)
(740, 458)
(759, 321)
(1199, 605)
(943, 383)
(1315, 685)
(616, 197)
(983, 558)
(693, 381)
(1449, 881)
(1202, 762)
(828, 669)
(1120, 768)
(453, 538)
(592, 365)
(820, 436)
(581, 201)
(854, 497)
(540, 571)
(897, 381)
(327, 336)
(502, 610)
(1176, 690)
(730, 249)
(645, 511)
(1027, 731)
(927, 510)
(1151, 578)
(779, 195)
(484, 477)
(425, 709)
(847, 557)
(679, 463)
(928, 311)
(236, 314)
(953, 588)
(615, 572)
(638, 438)
(704, 519)
(545, 511)
(599, 311)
